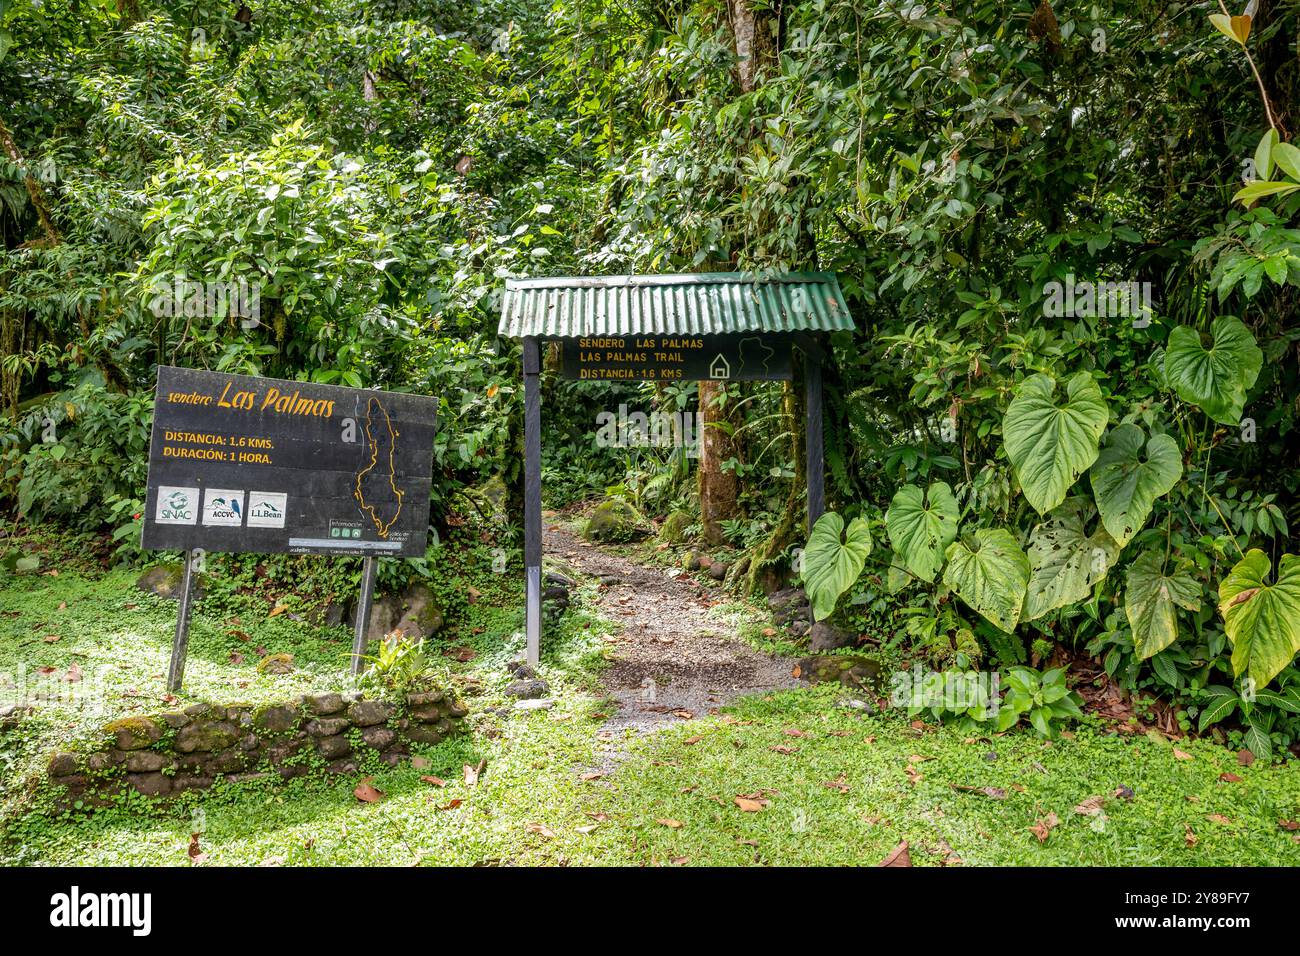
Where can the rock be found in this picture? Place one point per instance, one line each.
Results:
(146, 761)
(165, 580)
(191, 781)
(495, 494)
(323, 704)
(228, 761)
(342, 766)
(328, 726)
(787, 599)
(528, 689)
(276, 664)
(556, 594)
(673, 530)
(544, 703)
(692, 561)
(333, 747)
(197, 710)
(98, 763)
(207, 736)
(175, 720)
(718, 570)
(614, 519)
(826, 637)
(429, 735)
(366, 713)
(521, 670)
(277, 720)
(150, 784)
(134, 733)
(428, 714)
(456, 709)
(424, 698)
(385, 612)
(610, 580)
(250, 743)
(555, 577)
(799, 626)
(62, 765)
(378, 737)
(421, 616)
(279, 753)
(843, 668)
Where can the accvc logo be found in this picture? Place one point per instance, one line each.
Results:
(74, 908)
(223, 506)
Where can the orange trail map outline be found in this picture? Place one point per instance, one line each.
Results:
(374, 460)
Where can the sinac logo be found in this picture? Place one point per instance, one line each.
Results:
(177, 506)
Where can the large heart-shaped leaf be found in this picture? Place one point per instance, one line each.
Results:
(1262, 620)
(1051, 445)
(1216, 378)
(921, 525)
(1066, 561)
(1151, 600)
(1126, 485)
(833, 560)
(992, 577)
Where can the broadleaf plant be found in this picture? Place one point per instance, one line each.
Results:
(921, 525)
(1262, 620)
(1050, 444)
(833, 560)
(1126, 484)
(991, 577)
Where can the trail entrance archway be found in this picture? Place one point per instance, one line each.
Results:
(709, 326)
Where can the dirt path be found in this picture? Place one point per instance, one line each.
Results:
(672, 659)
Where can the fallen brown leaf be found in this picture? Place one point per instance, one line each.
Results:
(1182, 754)
(1227, 777)
(669, 823)
(367, 792)
(898, 856)
(1044, 826)
(1090, 807)
(436, 781)
(750, 804)
(540, 829)
(471, 774)
(1189, 836)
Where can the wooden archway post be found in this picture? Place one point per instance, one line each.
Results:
(533, 497)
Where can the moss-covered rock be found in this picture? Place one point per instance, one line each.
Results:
(615, 520)
(165, 580)
(134, 733)
(673, 530)
(276, 664)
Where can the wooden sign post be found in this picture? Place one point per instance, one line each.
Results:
(244, 464)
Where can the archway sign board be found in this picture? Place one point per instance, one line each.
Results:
(713, 326)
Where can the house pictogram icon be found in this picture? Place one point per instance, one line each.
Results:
(720, 367)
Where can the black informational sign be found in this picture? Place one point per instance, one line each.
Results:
(263, 465)
(670, 358)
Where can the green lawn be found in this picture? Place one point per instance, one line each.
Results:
(850, 788)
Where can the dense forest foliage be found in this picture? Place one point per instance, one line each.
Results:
(1064, 425)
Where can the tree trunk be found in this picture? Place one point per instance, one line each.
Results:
(718, 488)
(755, 44)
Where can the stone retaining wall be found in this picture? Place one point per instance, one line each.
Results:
(185, 750)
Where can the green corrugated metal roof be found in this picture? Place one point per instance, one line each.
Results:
(709, 303)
